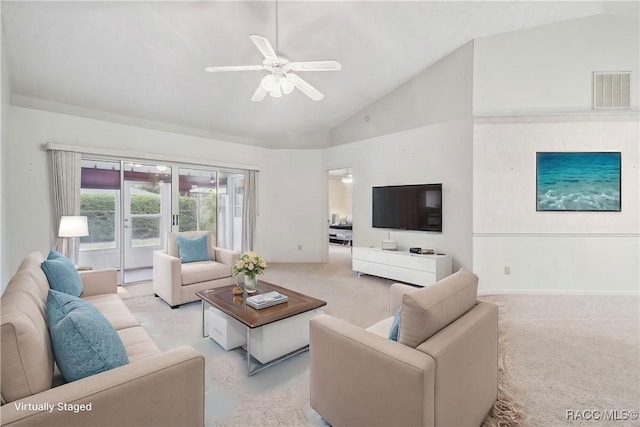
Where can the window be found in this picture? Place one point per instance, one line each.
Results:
(100, 203)
(197, 204)
(146, 214)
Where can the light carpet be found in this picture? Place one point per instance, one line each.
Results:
(557, 353)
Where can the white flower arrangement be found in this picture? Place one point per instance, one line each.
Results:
(249, 263)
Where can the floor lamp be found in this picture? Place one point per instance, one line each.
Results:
(73, 227)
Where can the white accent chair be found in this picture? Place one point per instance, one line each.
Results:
(177, 283)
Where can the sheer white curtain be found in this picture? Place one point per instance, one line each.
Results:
(65, 193)
(249, 209)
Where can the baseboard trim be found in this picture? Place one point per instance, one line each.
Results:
(489, 292)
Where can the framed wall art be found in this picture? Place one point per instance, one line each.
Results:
(578, 181)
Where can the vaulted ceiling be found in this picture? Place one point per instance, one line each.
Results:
(145, 60)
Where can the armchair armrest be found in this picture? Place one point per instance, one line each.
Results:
(164, 390)
(226, 256)
(396, 292)
(167, 277)
(466, 354)
(356, 377)
(99, 282)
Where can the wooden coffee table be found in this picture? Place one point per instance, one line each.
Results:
(273, 334)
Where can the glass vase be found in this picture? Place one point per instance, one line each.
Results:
(250, 284)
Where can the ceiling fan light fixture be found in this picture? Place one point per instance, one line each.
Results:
(276, 92)
(287, 86)
(269, 82)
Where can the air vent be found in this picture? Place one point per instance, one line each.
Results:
(611, 90)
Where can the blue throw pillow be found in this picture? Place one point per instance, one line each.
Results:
(393, 333)
(192, 250)
(55, 255)
(84, 342)
(62, 275)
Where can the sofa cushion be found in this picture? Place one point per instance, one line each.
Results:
(428, 310)
(62, 276)
(192, 250)
(382, 327)
(84, 342)
(138, 344)
(172, 242)
(32, 265)
(196, 272)
(114, 309)
(25, 347)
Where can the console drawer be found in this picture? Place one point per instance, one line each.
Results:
(415, 262)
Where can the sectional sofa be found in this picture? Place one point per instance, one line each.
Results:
(152, 389)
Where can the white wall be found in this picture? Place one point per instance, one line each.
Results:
(429, 154)
(546, 72)
(5, 95)
(283, 175)
(420, 133)
(441, 92)
(589, 251)
(291, 189)
(548, 69)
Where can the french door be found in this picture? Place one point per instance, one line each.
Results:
(146, 218)
(130, 207)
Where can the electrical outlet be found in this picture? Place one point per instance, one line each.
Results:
(507, 270)
(299, 247)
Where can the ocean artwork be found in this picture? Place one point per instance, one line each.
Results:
(578, 181)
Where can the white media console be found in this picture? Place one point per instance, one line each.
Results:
(417, 269)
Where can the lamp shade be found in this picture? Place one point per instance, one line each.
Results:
(73, 226)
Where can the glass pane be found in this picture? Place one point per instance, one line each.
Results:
(99, 206)
(197, 205)
(145, 198)
(145, 231)
(230, 202)
(145, 214)
(99, 202)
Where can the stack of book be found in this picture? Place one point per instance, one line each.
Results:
(266, 300)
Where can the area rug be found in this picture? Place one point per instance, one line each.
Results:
(506, 412)
(567, 354)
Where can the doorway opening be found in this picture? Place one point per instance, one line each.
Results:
(340, 206)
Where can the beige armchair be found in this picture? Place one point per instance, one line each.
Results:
(177, 283)
(443, 371)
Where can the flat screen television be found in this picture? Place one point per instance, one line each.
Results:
(408, 207)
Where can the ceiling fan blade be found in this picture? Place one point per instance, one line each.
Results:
(234, 68)
(315, 66)
(263, 46)
(305, 87)
(259, 94)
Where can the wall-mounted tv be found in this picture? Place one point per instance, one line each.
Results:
(578, 181)
(408, 207)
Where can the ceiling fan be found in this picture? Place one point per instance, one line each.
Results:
(282, 77)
